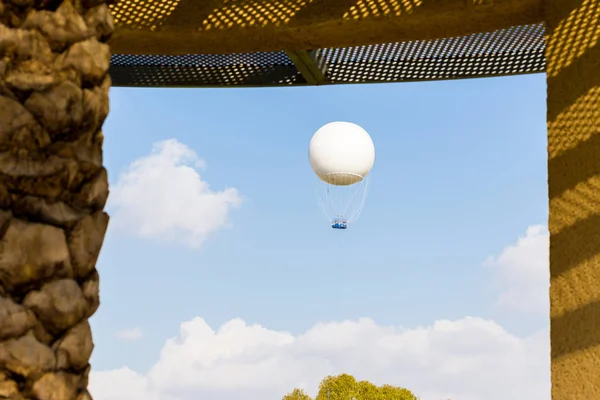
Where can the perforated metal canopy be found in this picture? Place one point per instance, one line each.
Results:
(516, 50)
(244, 41)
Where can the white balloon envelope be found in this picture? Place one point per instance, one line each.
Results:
(342, 154)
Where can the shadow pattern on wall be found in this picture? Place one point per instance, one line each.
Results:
(573, 115)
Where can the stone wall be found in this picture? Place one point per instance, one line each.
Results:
(54, 85)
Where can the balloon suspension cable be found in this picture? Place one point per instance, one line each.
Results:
(342, 204)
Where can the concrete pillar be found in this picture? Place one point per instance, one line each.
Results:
(573, 77)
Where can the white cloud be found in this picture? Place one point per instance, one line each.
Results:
(162, 195)
(123, 384)
(466, 359)
(130, 334)
(523, 272)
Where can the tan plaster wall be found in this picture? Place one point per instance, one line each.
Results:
(234, 26)
(573, 74)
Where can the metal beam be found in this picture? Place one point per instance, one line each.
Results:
(313, 71)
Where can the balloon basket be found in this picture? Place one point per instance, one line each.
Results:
(339, 223)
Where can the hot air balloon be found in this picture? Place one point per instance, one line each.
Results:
(341, 154)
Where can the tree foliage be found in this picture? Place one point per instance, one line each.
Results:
(337, 387)
(389, 392)
(367, 390)
(296, 394)
(346, 387)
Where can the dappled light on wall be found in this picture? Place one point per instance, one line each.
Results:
(573, 36)
(577, 204)
(573, 139)
(380, 8)
(252, 13)
(573, 118)
(574, 114)
(142, 14)
(585, 110)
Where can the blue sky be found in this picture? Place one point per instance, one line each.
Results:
(459, 175)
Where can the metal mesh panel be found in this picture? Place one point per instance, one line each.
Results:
(516, 50)
(255, 69)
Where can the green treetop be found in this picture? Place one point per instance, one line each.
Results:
(296, 394)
